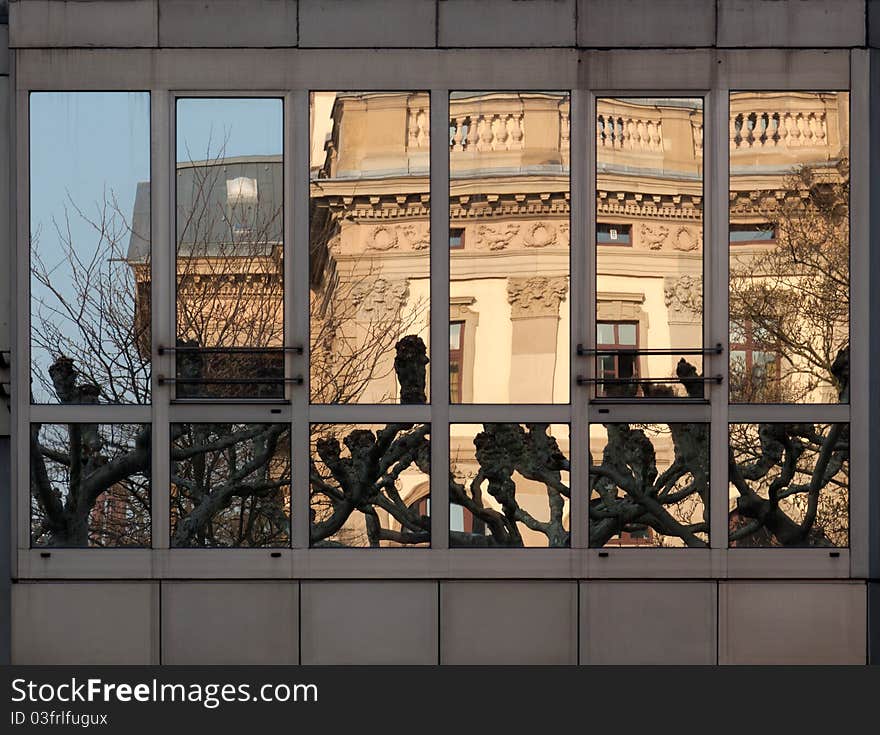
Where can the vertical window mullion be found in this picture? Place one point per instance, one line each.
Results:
(715, 307)
(439, 317)
(296, 275)
(582, 293)
(862, 433)
(21, 321)
(162, 217)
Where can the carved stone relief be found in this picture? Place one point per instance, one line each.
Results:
(383, 238)
(653, 235)
(540, 235)
(419, 237)
(379, 298)
(496, 237)
(617, 307)
(684, 297)
(686, 239)
(536, 297)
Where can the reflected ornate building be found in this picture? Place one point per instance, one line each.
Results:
(509, 291)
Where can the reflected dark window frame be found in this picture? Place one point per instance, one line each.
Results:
(764, 234)
(632, 361)
(614, 234)
(750, 347)
(456, 363)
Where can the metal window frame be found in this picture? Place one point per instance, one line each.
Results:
(291, 74)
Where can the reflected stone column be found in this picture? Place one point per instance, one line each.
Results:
(534, 313)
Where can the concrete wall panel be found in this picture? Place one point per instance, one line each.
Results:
(491, 622)
(370, 622)
(58, 23)
(210, 623)
(229, 23)
(819, 23)
(358, 24)
(85, 623)
(782, 622)
(464, 23)
(644, 622)
(630, 23)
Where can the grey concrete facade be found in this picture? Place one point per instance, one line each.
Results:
(445, 618)
(442, 23)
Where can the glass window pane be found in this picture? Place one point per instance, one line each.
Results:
(605, 334)
(606, 364)
(789, 485)
(649, 485)
(613, 234)
(649, 154)
(366, 484)
(509, 484)
(90, 247)
(626, 333)
(230, 485)
(789, 165)
(369, 243)
(752, 233)
(90, 485)
(509, 190)
(230, 250)
(455, 336)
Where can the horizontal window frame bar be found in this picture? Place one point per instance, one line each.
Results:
(265, 71)
(363, 413)
(297, 380)
(741, 413)
(295, 349)
(678, 412)
(246, 411)
(72, 413)
(509, 414)
(532, 563)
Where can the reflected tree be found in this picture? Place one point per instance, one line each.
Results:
(503, 450)
(790, 481)
(90, 485)
(230, 485)
(796, 294)
(231, 481)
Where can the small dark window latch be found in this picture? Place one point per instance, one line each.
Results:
(275, 554)
(45, 554)
(833, 554)
(603, 554)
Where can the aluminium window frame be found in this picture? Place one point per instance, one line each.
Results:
(292, 74)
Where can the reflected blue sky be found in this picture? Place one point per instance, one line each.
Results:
(210, 127)
(88, 151)
(91, 145)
